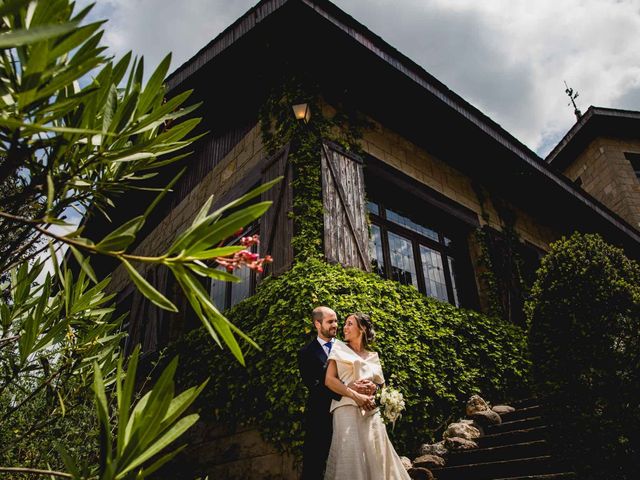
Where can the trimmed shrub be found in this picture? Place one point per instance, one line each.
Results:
(584, 338)
(435, 353)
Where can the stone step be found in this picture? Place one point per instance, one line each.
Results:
(509, 426)
(513, 436)
(521, 413)
(524, 402)
(552, 476)
(501, 469)
(492, 454)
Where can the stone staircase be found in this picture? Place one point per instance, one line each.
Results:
(516, 449)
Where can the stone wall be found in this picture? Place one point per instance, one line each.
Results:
(239, 454)
(608, 176)
(405, 156)
(410, 159)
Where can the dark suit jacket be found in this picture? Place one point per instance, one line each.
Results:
(312, 361)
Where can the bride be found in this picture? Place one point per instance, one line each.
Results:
(360, 447)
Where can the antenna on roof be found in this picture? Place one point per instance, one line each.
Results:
(573, 95)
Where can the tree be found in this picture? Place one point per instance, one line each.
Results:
(584, 338)
(64, 147)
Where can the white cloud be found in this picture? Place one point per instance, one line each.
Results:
(507, 57)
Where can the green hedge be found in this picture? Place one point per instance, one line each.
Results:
(436, 354)
(584, 339)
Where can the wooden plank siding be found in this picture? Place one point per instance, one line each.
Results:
(276, 225)
(346, 231)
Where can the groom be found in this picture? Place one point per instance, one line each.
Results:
(312, 361)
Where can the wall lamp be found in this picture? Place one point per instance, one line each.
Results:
(302, 112)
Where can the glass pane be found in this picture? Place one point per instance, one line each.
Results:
(453, 282)
(375, 250)
(433, 273)
(218, 293)
(241, 290)
(373, 208)
(403, 265)
(411, 225)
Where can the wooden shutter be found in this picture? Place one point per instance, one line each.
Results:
(276, 225)
(346, 232)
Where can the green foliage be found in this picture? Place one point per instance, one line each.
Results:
(53, 336)
(584, 339)
(78, 129)
(503, 270)
(144, 430)
(436, 354)
(280, 127)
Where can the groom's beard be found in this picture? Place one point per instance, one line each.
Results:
(331, 333)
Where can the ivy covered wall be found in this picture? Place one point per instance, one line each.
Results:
(436, 354)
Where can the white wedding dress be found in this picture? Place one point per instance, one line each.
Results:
(360, 447)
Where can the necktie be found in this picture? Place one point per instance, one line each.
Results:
(328, 345)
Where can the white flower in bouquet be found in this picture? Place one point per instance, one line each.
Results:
(392, 404)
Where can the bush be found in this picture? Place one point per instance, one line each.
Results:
(584, 338)
(435, 353)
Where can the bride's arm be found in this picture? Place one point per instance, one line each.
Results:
(333, 382)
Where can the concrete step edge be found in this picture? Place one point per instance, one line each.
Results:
(496, 463)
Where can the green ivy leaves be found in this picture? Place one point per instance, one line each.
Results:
(436, 353)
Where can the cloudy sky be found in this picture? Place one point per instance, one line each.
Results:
(509, 58)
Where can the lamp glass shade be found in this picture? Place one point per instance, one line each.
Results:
(302, 111)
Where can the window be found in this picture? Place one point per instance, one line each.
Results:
(634, 158)
(411, 252)
(227, 294)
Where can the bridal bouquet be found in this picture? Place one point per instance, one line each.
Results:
(392, 404)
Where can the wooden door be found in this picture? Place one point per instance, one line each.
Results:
(346, 231)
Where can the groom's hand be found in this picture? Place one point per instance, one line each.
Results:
(365, 387)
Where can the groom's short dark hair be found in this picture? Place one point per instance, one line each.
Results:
(318, 314)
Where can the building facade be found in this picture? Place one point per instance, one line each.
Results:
(434, 190)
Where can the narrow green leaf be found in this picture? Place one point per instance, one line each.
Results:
(121, 237)
(153, 88)
(216, 252)
(222, 229)
(16, 38)
(214, 273)
(182, 276)
(124, 397)
(249, 196)
(84, 263)
(147, 289)
(209, 232)
(169, 437)
(63, 408)
(161, 195)
(102, 408)
(56, 267)
(69, 463)
(180, 404)
(110, 105)
(203, 213)
(120, 68)
(15, 124)
(50, 192)
(160, 462)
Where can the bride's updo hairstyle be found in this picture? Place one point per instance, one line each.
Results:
(366, 326)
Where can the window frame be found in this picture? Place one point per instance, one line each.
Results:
(252, 229)
(381, 221)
